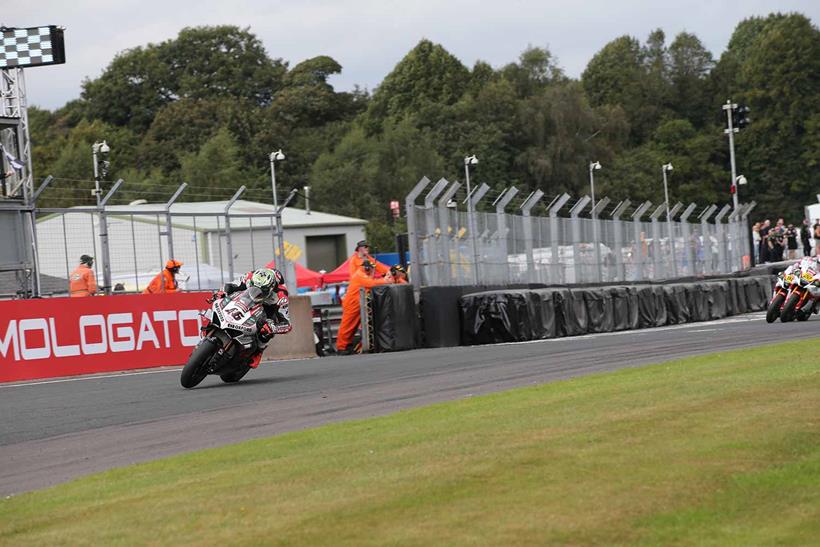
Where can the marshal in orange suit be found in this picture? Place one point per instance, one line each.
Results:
(351, 307)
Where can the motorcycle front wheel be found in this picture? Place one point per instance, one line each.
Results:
(788, 308)
(773, 311)
(195, 370)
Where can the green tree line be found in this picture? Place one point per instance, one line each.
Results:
(209, 106)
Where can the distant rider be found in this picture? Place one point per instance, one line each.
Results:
(275, 303)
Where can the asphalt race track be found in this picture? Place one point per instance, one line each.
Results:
(54, 431)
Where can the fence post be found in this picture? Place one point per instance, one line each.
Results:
(658, 269)
(721, 238)
(596, 240)
(106, 254)
(575, 227)
(446, 267)
(670, 220)
(526, 208)
(555, 251)
(747, 231)
(473, 199)
(412, 231)
(433, 247)
(33, 225)
(618, 237)
(734, 238)
(169, 235)
(501, 203)
(688, 245)
(636, 224)
(707, 239)
(228, 241)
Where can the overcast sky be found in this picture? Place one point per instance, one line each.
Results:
(368, 37)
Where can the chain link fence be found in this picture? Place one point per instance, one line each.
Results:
(451, 246)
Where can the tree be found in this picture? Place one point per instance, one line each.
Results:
(201, 63)
(427, 74)
(689, 66)
(216, 169)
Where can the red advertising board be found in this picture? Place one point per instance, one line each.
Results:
(66, 336)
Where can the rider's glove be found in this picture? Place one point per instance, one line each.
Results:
(266, 332)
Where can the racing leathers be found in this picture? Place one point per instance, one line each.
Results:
(275, 305)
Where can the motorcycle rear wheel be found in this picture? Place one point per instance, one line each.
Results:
(195, 370)
(235, 375)
(788, 312)
(773, 311)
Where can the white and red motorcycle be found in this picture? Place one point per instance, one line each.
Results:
(229, 338)
(804, 292)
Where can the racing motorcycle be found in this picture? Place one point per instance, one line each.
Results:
(782, 289)
(229, 338)
(804, 293)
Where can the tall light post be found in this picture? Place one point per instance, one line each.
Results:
(735, 121)
(594, 166)
(99, 150)
(468, 161)
(666, 167)
(282, 265)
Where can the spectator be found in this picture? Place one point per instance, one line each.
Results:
(83, 281)
(776, 245)
(791, 241)
(361, 254)
(805, 237)
(816, 230)
(765, 228)
(756, 241)
(165, 281)
(119, 288)
(351, 307)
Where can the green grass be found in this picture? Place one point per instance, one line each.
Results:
(722, 449)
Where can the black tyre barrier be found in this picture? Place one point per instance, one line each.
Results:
(394, 318)
(518, 314)
(547, 312)
(677, 304)
(599, 310)
(500, 316)
(572, 312)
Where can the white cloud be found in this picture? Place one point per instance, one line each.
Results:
(368, 37)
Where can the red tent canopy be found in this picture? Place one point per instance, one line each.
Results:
(340, 274)
(305, 277)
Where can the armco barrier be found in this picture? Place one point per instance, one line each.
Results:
(67, 336)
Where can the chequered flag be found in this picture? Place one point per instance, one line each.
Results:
(25, 47)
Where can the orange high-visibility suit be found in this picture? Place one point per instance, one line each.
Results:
(356, 264)
(82, 282)
(164, 282)
(351, 307)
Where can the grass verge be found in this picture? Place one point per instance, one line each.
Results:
(719, 449)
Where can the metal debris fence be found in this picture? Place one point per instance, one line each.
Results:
(448, 246)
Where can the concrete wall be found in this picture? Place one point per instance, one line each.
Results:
(299, 342)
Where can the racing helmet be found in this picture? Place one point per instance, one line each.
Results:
(265, 279)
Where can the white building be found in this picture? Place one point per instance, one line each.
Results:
(138, 240)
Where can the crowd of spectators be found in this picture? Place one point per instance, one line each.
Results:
(785, 242)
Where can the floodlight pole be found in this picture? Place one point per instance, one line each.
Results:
(470, 220)
(729, 107)
(106, 255)
(281, 264)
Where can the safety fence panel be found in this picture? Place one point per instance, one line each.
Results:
(483, 248)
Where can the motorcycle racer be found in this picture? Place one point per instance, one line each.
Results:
(275, 303)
